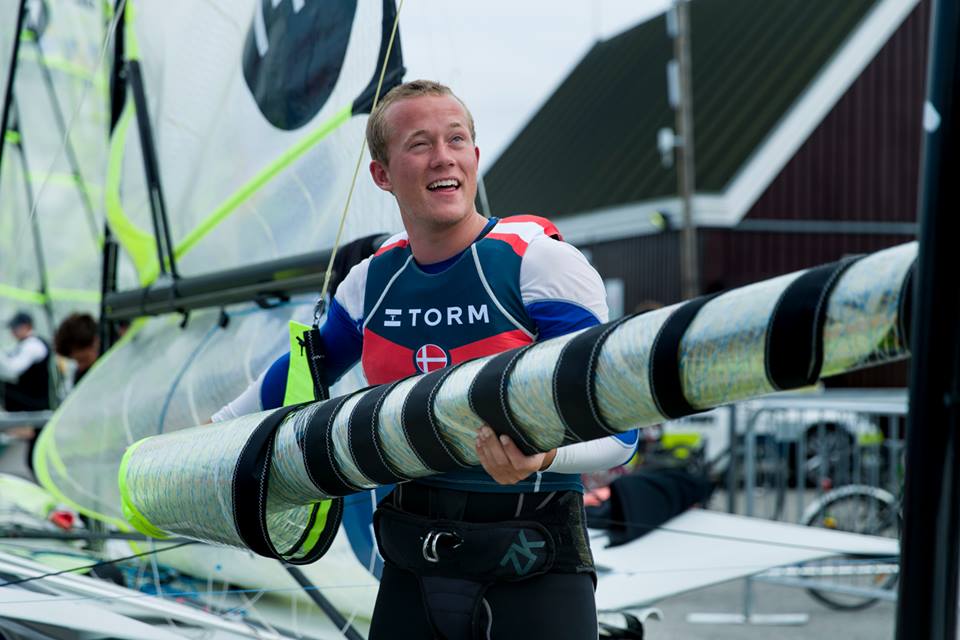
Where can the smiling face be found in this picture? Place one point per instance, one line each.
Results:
(431, 165)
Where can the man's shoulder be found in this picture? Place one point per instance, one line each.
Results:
(36, 345)
(391, 254)
(395, 243)
(520, 231)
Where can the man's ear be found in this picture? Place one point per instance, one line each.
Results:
(380, 175)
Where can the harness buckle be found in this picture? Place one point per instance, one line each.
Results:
(430, 541)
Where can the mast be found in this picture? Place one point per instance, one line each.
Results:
(11, 77)
(689, 259)
(111, 250)
(927, 605)
(37, 249)
(151, 170)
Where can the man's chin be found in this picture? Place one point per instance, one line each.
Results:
(445, 217)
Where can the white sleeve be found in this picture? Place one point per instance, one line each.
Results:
(30, 351)
(593, 455)
(246, 402)
(350, 292)
(554, 271)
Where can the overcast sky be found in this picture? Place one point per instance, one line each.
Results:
(506, 57)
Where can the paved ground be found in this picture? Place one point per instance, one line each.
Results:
(874, 623)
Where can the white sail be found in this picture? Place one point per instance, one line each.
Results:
(51, 220)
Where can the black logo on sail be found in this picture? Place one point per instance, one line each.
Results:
(293, 55)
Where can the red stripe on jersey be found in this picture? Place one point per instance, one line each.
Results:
(399, 244)
(491, 345)
(518, 244)
(548, 227)
(383, 360)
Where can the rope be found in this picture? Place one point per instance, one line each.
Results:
(356, 171)
(95, 565)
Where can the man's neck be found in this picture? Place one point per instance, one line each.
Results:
(435, 245)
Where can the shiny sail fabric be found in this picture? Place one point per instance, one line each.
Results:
(211, 139)
(242, 182)
(51, 262)
(777, 334)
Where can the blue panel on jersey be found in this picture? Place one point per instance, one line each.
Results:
(274, 385)
(630, 439)
(342, 341)
(557, 318)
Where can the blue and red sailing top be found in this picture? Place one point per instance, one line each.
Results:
(517, 283)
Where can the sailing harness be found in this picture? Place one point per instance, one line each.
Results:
(458, 544)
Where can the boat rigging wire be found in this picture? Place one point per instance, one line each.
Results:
(96, 565)
(318, 309)
(637, 524)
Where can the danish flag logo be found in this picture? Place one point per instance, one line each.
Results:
(430, 357)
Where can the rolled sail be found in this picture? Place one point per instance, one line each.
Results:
(260, 481)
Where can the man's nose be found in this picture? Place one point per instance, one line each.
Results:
(441, 156)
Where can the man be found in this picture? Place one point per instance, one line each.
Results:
(78, 339)
(25, 369)
(452, 287)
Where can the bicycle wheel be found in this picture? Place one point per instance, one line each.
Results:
(855, 509)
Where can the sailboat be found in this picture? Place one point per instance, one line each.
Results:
(230, 160)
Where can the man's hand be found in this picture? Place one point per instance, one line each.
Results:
(504, 461)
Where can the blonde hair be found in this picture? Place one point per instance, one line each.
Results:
(377, 132)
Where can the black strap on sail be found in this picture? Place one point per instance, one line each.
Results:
(666, 385)
(574, 391)
(489, 398)
(312, 346)
(317, 447)
(905, 305)
(417, 415)
(365, 441)
(251, 484)
(794, 346)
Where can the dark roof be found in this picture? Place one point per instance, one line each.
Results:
(593, 143)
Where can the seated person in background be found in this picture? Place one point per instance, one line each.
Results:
(78, 338)
(24, 370)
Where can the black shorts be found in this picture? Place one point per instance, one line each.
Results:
(557, 604)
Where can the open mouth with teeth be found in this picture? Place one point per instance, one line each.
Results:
(446, 185)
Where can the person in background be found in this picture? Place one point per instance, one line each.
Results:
(25, 377)
(78, 339)
(24, 370)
